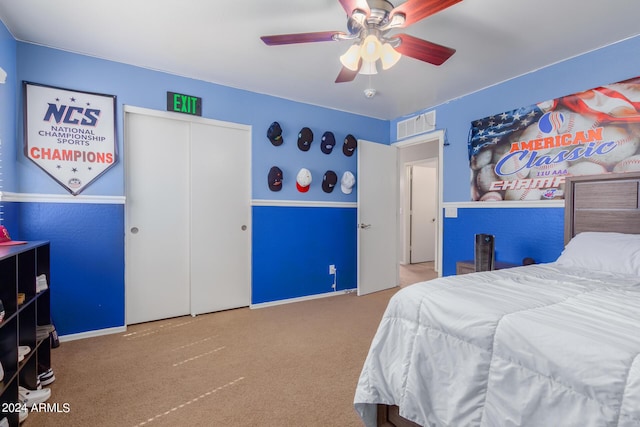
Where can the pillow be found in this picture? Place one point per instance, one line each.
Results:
(611, 252)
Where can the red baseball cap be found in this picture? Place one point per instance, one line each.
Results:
(5, 240)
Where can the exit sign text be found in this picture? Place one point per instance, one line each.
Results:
(186, 104)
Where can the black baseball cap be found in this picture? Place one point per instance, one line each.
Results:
(274, 133)
(350, 145)
(275, 179)
(328, 142)
(329, 181)
(305, 138)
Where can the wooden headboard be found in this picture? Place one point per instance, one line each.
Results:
(609, 202)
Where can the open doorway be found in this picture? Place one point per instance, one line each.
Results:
(420, 199)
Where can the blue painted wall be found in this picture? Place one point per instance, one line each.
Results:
(93, 233)
(607, 65)
(8, 110)
(87, 268)
(520, 232)
(88, 238)
(279, 254)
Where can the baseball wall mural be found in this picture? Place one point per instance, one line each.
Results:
(526, 154)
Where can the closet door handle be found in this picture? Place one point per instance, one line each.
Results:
(243, 228)
(134, 230)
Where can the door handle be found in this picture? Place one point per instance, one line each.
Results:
(134, 230)
(364, 226)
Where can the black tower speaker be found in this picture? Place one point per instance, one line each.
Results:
(485, 252)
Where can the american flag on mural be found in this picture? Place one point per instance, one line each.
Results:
(494, 129)
(615, 103)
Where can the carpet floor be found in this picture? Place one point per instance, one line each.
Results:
(288, 365)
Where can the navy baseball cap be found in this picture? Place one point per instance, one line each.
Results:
(350, 145)
(275, 179)
(329, 181)
(274, 133)
(305, 138)
(328, 142)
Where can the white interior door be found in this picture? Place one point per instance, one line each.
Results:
(157, 213)
(423, 214)
(220, 218)
(377, 217)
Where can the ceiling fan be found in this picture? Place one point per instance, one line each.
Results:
(368, 23)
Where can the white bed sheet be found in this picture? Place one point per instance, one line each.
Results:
(540, 345)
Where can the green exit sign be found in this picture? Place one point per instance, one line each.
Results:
(186, 104)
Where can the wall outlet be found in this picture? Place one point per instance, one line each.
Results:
(332, 269)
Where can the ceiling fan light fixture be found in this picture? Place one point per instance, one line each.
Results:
(371, 48)
(368, 68)
(389, 56)
(351, 57)
(397, 20)
(359, 16)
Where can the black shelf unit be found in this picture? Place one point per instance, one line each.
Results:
(20, 265)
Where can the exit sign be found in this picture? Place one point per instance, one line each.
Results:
(186, 104)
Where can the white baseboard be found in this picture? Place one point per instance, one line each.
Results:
(307, 298)
(91, 334)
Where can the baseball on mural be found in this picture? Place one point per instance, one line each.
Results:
(491, 196)
(586, 168)
(631, 164)
(617, 144)
(486, 176)
(523, 194)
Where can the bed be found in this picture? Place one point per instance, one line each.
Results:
(554, 344)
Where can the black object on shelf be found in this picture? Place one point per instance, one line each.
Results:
(484, 252)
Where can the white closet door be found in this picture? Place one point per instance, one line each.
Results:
(157, 214)
(220, 218)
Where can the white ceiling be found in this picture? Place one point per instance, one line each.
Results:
(219, 42)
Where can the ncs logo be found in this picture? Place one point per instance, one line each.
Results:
(72, 115)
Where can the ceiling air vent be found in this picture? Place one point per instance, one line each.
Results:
(425, 122)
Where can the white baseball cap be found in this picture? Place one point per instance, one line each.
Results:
(347, 182)
(303, 180)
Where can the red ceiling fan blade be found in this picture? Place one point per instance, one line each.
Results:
(415, 10)
(423, 50)
(347, 75)
(322, 36)
(351, 5)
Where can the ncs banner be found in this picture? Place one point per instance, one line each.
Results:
(69, 134)
(526, 154)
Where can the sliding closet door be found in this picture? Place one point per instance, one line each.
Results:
(188, 213)
(157, 214)
(220, 217)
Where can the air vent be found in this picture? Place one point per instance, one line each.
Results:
(425, 122)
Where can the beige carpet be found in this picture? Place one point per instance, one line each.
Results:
(288, 365)
(414, 273)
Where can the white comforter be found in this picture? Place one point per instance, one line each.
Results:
(541, 345)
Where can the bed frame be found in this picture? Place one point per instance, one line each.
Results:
(608, 202)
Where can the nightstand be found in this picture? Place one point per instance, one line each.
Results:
(464, 267)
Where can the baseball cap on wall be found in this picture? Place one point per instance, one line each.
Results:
(5, 240)
(305, 138)
(303, 180)
(350, 145)
(347, 182)
(328, 142)
(274, 133)
(329, 181)
(275, 179)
